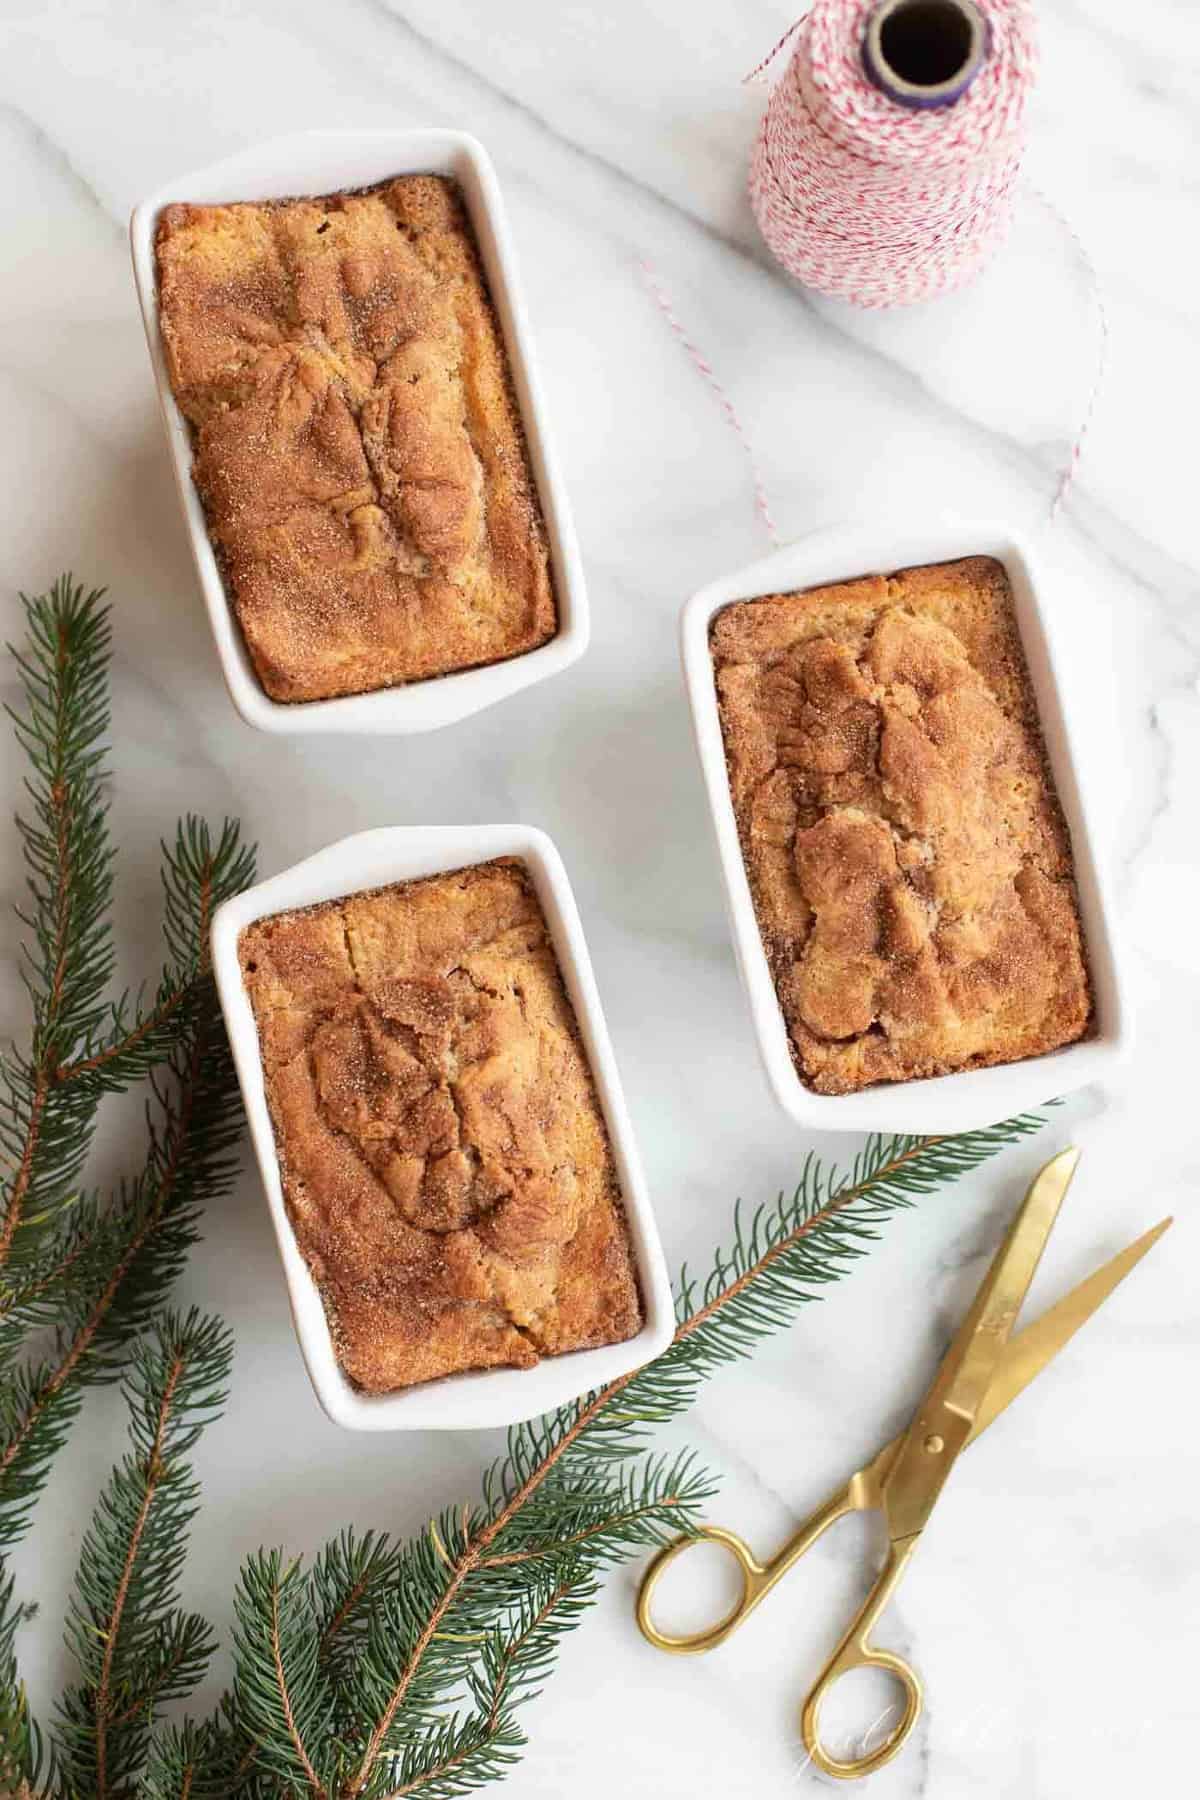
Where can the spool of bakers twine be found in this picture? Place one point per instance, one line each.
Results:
(884, 168)
(885, 165)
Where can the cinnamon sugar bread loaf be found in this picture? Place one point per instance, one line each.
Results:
(356, 442)
(910, 865)
(444, 1158)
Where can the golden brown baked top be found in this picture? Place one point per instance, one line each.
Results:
(356, 443)
(910, 866)
(444, 1159)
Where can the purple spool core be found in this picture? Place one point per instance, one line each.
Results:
(925, 53)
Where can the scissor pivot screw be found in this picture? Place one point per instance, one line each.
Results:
(935, 1444)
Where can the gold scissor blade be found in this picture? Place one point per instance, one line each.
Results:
(946, 1417)
(1026, 1356)
(1028, 1353)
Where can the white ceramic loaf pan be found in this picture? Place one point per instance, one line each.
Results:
(324, 162)
(487, 1397)
(974, 1097)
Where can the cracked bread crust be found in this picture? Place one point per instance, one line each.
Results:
(356, 444)
(909, 862)
(444, 1159)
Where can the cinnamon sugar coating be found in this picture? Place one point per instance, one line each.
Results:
(445, 1162)
(909, 862)
(356, 443)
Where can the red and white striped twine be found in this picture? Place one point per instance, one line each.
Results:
(879, 205)
(1104, 342)
(701, 363)
(876, 203)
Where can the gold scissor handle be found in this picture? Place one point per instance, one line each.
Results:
(857, 1652)
(757, 1578)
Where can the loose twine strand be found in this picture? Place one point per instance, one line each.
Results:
(701, 362)
(867, 201)
(773, 52)
(1095, 293)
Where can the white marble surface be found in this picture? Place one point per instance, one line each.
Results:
(1055, 1612)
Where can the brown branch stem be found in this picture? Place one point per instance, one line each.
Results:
(60, 807)
(166, 1007)
(314, 1781)
(24, 1296)
(154, 1473)
(147, 1699)
(510, 1654)
(517, 1557)
(20, 1185)
(81, 1342)
(351, 1600)
(65, 1073)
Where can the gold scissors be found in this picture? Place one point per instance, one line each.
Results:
(983, 1372)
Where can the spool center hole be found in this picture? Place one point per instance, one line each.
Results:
(926, 42)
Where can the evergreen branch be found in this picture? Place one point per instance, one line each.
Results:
(49, 1095)
(68, 857)
(645, 1508)
(133, 1648)
(176, 1765)
(39, 1407)
(137, 1039)
(284, 1701)
(459, 1756)
(92, 1269)
(755, 1288)
(14, 1199)
(179, 1659)
(22, 1753)
(205, 1760)
(348, 1574)
(152, 1224)
(521, 1654)
(196, 876)
(34, 1295)
(96, 1272)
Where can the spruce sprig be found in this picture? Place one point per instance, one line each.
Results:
(82, 1273)
(388, 1670)
(134, 1648)
(560, 1488)
(88, 1267)
(101, 1268)
(22, 1751)
(458, 1754)
(45, 1124)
